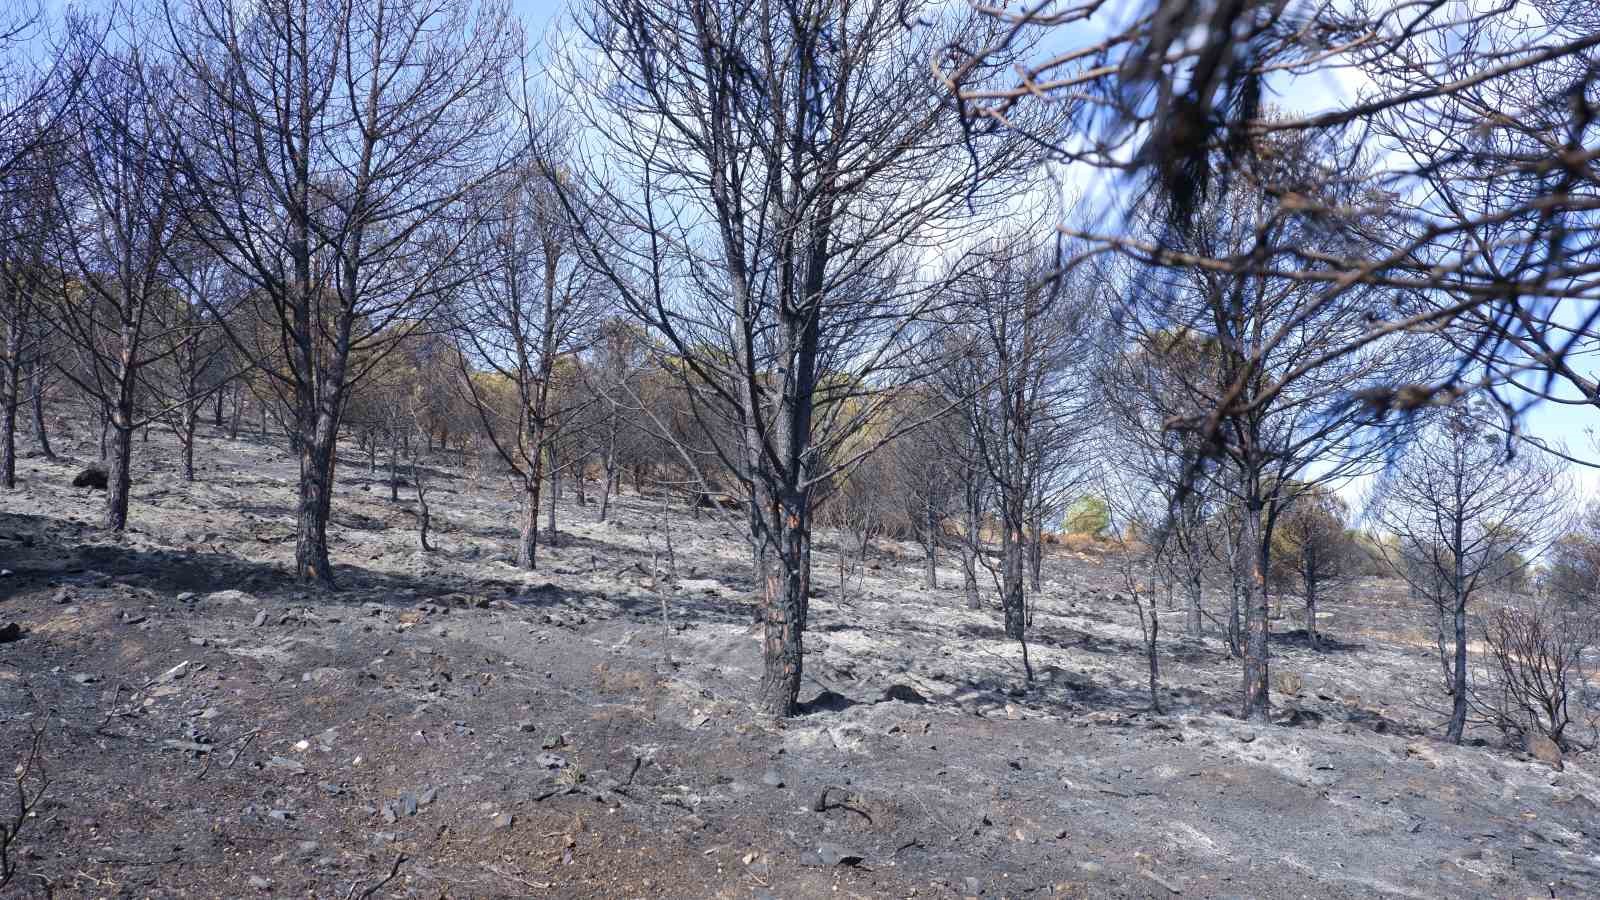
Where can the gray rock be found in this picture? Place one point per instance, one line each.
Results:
(772, 779)
(329, 788)
(260, 619)
(427, 796)
(551, 760)
(835, 855)
(408, 804)
(259, 883)
(85, 678)
(390, 814)
(309, 848)
(972, 885)
(502, 821)
(284, 762)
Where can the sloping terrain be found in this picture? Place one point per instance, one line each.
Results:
(212, 729)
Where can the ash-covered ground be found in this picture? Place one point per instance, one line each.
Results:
(212, 729)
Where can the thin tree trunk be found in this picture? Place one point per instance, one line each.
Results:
(1036, 551)
(36, 389)
(1257, 703)
(1196, 623)
(9, 398)
(528, 534)
(1458, 707)
(422, 507)
(187, 426)
(605, 493)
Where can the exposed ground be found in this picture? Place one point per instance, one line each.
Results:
(213, 730)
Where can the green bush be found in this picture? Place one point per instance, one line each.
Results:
(1088, 516)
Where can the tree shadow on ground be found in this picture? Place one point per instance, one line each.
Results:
(45, 552)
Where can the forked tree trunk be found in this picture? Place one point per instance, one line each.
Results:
(528, 532)
(423, 519)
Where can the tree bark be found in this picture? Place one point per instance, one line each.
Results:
(10, 396)
(187, 426)
(36, 390)
(119, 480)
(782, 647)
(1257, 703)
(528, 534)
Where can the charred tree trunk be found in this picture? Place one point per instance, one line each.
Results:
(1035, 551)
(10, 397)
(37, 390)
(528, 533)
(1257, 702)
(422, 507)
(1196, 624)
(782, 642)
(119, 478)
(187, 425)
(394, 468)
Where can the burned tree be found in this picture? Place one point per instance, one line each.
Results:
(1466, 519)
(329, 149)
(772, 160)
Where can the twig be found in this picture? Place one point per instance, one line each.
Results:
(249, 736)
(393, 871)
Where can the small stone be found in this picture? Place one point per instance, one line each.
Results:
(302, 745)
(502, 821)
(1246, 737)
(390, 815)
(772, 779)
(835, 855)
(972, 885)
(260, 619)
(329, 788)
(551, 760)
(408, 804)
(186, 596)
(428, 795)
(283, 762)
(259, 883)
(309, 848)
(85, 678)
(281, 815)
(527, 725)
